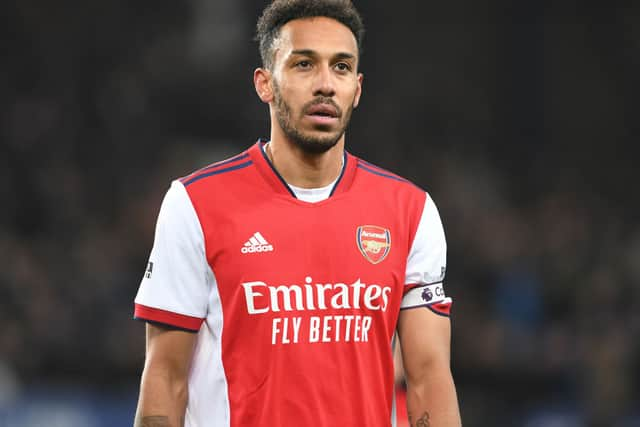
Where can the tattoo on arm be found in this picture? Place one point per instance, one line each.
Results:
(423, 421)
(153, 421)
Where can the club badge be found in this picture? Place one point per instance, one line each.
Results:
(374, 242)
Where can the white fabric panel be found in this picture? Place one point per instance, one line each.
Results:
(208, 390)
(427, 260)
(180, 281)
(425, 295)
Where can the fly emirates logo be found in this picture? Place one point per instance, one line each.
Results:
(290, 302)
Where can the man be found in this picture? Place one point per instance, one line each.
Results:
(278, 277)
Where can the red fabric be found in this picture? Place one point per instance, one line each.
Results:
(167, 317)
(408, 287)
(442, 308)
(311, 320)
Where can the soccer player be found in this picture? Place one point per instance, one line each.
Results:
(279, 277)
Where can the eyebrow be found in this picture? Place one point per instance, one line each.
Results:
(309, 52)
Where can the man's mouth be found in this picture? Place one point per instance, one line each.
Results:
(322, 110)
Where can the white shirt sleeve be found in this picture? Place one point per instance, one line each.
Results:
(427, 262)
(178, 278)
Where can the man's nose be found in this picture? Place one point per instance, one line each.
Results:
(324, 83)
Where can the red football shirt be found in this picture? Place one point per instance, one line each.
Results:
(295, 303)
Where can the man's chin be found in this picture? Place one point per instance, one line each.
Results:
(316, 144)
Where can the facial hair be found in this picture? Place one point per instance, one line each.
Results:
(308, 143)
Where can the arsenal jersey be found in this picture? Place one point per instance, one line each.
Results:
(295, 303)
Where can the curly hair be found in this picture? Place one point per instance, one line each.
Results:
(279, 12)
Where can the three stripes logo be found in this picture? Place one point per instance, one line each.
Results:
(257, 243)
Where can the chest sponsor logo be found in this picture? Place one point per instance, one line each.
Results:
(373, 242)
(318, 312)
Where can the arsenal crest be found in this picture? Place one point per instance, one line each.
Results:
(374, 242)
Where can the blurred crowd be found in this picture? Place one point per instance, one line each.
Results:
(520, 121)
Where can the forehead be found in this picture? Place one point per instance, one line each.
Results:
(320, 34)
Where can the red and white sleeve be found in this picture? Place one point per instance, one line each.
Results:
(178, 279)
(427, 265)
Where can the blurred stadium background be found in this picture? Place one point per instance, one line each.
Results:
(521, 119)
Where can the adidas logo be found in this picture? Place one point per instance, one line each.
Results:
(257, 243)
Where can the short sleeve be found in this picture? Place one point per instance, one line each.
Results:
(177, 280)
(427, 264)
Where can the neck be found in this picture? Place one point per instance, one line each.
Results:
(302, 169)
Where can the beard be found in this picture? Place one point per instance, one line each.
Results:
(310, 144)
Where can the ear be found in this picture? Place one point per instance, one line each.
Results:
(356, 98)
(262, 83)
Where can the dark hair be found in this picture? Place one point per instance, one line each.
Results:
(279, 12)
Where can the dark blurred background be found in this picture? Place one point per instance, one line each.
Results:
(520, 118)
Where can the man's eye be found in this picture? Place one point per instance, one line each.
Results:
(303, 64)
(343, 66)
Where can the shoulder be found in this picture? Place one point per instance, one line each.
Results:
(378, 177)
(221, 170)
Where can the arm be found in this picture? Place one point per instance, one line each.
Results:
(425, 339)
(163, 389)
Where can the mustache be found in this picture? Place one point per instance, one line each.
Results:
(322, 100)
